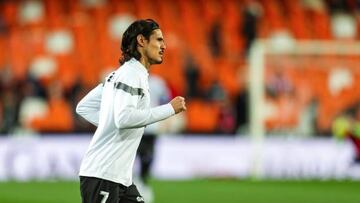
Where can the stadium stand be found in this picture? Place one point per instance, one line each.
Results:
(74, 43)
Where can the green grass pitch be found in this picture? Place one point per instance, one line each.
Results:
(198, 191)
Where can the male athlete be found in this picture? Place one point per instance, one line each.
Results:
(120, 108)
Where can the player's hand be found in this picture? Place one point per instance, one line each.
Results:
(178, 103)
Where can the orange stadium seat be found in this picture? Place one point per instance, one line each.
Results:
(67, 72)
(18, 54)
(3, 55)
(297, 19)
(56, 18)
(145, 9)
(202, 116)
(124, 6)
(228, 76)
(57, 119)
(167, 12)
(211, 11)
(36, 36)
(286, 113)
(274, 15)
(9, 12)
(321, 25)
(233, 42)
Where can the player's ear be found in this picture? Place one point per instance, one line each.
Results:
(140, 40)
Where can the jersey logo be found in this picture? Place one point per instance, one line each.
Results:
(140, 199)
(110, 77)
(131, 90)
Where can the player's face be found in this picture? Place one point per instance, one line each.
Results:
(155, 47)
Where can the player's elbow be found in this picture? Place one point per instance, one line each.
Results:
(123, 125)
(80, 109)
(121, 120)
(125, 120)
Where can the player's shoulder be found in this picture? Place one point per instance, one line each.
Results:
(127, 69)
(126, 74)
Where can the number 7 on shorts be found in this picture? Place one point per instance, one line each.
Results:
(106, 196)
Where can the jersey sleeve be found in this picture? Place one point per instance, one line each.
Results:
(89, 106)
(127, 115)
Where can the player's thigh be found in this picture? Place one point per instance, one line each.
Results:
(94, 190)
(131, 195)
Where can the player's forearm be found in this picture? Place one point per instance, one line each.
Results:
(135, 118)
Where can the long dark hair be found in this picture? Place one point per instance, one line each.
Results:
(129, 41)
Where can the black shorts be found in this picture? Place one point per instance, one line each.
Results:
(95, 190)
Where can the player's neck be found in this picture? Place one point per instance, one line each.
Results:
(145, 63)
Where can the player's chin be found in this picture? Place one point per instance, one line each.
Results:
(159, 60)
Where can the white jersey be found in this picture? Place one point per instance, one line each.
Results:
(121, 109)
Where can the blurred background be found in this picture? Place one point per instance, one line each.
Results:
(272, 90)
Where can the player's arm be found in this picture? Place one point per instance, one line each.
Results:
(89, 106)
(128, 116)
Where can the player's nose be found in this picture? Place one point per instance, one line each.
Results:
(163, 47)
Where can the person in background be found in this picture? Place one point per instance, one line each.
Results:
(347, 126)
(160, 94)
(250, 18)
(58, 116)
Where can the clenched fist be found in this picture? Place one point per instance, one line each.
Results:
(178, 103)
